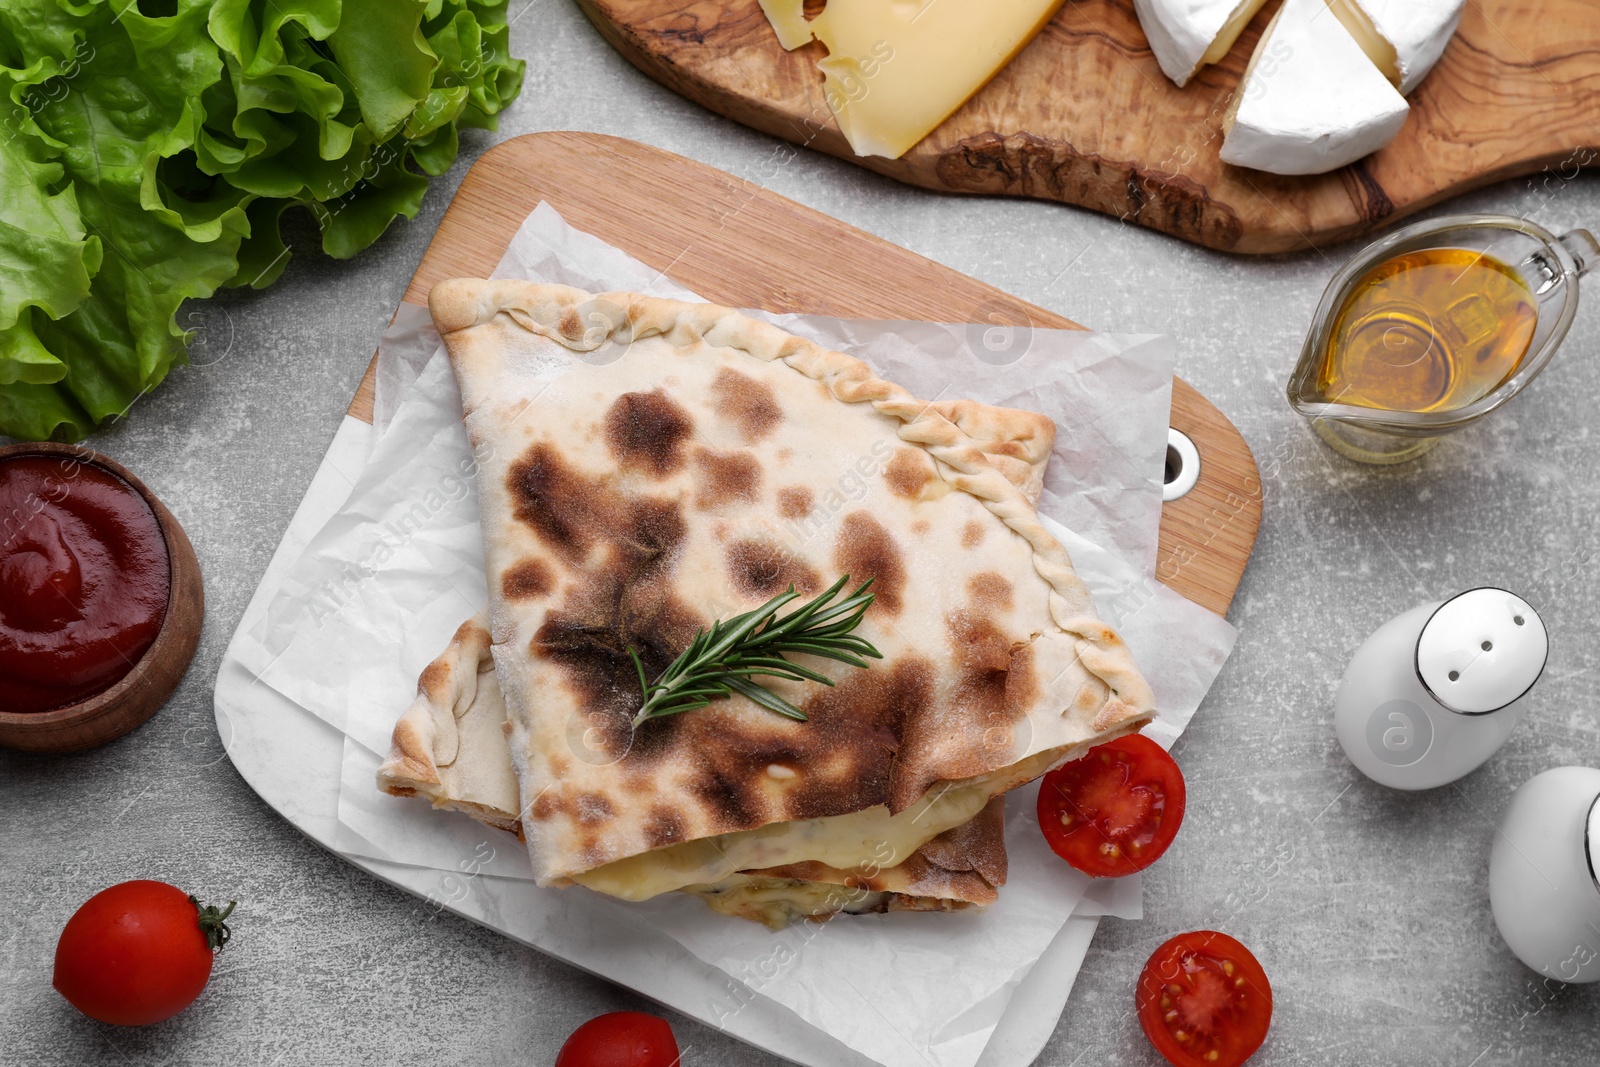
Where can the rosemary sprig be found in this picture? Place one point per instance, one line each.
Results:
(722, 661)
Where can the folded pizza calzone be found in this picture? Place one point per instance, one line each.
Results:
(649, 466)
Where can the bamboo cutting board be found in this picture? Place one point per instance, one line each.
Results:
(738, 244)
(1084, 116)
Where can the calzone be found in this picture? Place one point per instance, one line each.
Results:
(449, 747)
(650, 466)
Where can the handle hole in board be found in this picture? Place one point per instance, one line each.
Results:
(1182, 468)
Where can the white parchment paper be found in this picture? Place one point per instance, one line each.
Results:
(380, 588)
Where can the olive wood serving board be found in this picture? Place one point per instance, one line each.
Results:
(1084, 116)
(738, 244)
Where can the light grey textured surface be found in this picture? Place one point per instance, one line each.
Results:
(1368, 908)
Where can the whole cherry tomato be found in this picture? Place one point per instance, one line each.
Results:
(620, 1039)
(138, 953)
(1204, 1001)
(1115, 810)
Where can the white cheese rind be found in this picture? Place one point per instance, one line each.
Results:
(1311, 101)
(1185, 35)
(1416, 31)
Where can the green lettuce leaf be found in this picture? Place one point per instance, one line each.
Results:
(46, 260)
(148, 153)
(132, 99)
(380, 47)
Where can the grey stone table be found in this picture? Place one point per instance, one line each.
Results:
(1368, 908)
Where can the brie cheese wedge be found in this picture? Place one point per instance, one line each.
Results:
(1186, 35)
(1404, 38)
(1311, 100)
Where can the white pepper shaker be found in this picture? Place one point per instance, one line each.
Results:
(1543, 885)
(1435, 691)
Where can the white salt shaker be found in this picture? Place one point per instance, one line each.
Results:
(1543, 886)
(1435, 691)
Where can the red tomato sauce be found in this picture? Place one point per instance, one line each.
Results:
(84, 579)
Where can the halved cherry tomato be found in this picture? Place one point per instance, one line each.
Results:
(1204, 1001)
(1115, 810)
(620, 1039)
(138, 953)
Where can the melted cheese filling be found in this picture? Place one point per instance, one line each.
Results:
(868, 839)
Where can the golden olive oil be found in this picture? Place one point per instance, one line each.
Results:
(1432, 330)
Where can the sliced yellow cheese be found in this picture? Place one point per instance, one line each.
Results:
(789, 21)
(872, 838)
(896, 69)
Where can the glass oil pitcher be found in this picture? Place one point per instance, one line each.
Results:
(1434, 327)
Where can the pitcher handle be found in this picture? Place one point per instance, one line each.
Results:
(1584, 248)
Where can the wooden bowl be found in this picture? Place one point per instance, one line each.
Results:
(144, 689)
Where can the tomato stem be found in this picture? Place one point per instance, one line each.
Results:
(213, 923)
